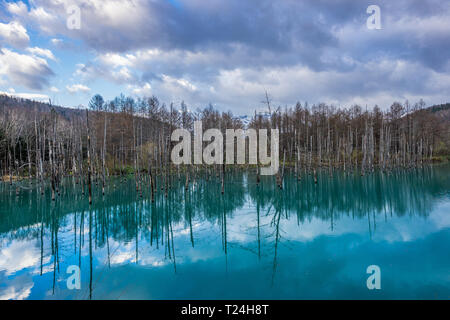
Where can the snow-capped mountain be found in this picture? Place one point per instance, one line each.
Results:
(246, 119)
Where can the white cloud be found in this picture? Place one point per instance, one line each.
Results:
(115, 72)
(122, 75)
(41, 15)
(145, 90)
(54, 89)
(116, 60)
(46, 53)
(14, 34)
(56, 41)
(17, 8)
(81, 70)
(25, 70)
(75, 88)
(180, 83)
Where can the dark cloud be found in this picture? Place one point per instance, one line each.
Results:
(299, 49)
(289, 32)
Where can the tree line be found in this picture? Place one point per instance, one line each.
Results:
(127, 136)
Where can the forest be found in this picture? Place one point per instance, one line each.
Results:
(42, 144)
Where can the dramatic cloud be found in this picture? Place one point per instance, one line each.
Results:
(306, 29)
(230, 52)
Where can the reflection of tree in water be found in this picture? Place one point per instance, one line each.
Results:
(124, 216)
(399, 193)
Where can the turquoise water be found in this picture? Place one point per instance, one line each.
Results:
(306, 241)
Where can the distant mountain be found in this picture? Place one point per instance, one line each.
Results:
(7, 101)
(440, 107)
(246, 119)
(442, 111)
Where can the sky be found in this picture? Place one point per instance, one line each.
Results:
(227, 53)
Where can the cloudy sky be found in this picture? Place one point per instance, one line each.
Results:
(226, 52)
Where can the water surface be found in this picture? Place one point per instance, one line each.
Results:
(306, 241)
